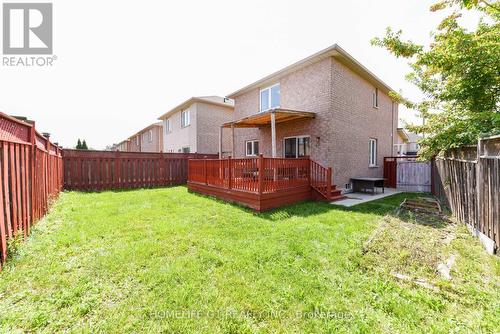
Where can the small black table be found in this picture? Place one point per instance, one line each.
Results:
(362, 184)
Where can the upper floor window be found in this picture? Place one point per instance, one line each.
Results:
(270, 97)
(148, 136)
(168, 125)
(252, 148)
(185, 119)
(372, 161)
(375, 98)
(137, 140)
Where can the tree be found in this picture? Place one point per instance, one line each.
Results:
(84, 145)
(459, 74)
(79, 144)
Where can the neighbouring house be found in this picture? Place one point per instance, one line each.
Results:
(194, 125)
(123, 146)
(406, 143)
(149, 139)
(328, 107)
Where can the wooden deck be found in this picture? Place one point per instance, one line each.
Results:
(262, 183)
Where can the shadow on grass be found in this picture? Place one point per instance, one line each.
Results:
(121, 191)
(382, 207)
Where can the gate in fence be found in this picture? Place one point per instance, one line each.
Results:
(407, 174)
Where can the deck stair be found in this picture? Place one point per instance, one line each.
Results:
(321, 182)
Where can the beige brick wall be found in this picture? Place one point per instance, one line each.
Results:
(202, 135)
(181, 137)
(345, 119)
(156, 142)
(209, 119)
(355, 122)
(135, 144)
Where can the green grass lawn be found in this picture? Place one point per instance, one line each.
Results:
(164, 260)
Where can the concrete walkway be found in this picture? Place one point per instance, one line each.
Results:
(358, 198)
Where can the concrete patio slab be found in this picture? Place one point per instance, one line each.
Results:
(358, 198)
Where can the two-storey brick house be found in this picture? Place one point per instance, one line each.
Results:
(327, 106)
(193, 126)
(149, 139)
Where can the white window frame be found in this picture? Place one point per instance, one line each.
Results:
(297, 137)
(253, 154)
(372, 152)
(375, 98)
(188, 118)
(138, 140)
(150, 136)
(269, 98)
(168, 125)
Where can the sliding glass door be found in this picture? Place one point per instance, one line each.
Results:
(297, 147)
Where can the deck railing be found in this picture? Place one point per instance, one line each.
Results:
(260, 175)
(321, 178)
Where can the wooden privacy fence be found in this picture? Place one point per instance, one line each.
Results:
(467, 180)
(30, 175)
(102, 170)
(407, 174)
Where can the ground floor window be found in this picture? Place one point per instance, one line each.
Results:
(372, 162)
(297, 147)
(252, 148)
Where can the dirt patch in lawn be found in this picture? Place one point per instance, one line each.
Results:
(427, 248)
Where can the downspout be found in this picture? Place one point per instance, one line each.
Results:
(392, 128)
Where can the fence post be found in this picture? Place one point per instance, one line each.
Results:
(261, 171)
(117, 169)
(230, 173)
(329, 181)
(479, 182)
(33, 167)
(205, 170)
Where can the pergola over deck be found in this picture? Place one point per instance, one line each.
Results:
(269, 117)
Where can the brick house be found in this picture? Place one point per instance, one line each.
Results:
(327, 106)
(149, 139)
(193, 126)
(123, 146)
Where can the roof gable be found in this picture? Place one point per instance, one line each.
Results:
(332, 51)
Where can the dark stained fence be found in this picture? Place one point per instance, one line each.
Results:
(467, 180)
(30, 176)
(407, 174)
(390, 171)
(104, 170)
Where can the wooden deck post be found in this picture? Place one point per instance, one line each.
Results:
(220, 142)
(229, 173)
(273, 134)
(232, 140)
(329, 181)
(261, 173)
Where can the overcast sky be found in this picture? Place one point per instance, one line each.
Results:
(121, 64)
